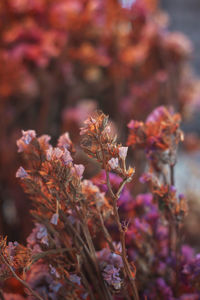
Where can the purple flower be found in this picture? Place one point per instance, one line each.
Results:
(57, 153)
(11, 249)
(21, 173)
(75, 279)
(54, 272)
(25, 140)
(64, 141)
(66, 157)
(105, 256)
(164, 289)
(39, 234)
(54, 219)
(112, 277)
(187, 253)
(157, 114)
(113, 163)
(79, 170)
(42, 281)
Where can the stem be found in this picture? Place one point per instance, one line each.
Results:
(40, 255)
(87, 285)
(1, 295)
(176, 232)
(106, 233)
(89, 260)
(122, 236)
(172, 180)
(24, 283)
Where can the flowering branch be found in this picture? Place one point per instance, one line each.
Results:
(99, 144)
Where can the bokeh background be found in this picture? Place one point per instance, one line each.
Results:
(60, 60)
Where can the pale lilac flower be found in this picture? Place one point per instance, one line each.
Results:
(25, 140)
(54, 153)
(123, 152)
(55, 286)
(67, 157)
(75, 279)
(54, 219)
(113, 163)
(42, 235)
(107, 129)
(44, 139)
(21, 173)
(49, 153)
(54, 272)
(79, 170)
(28, 136)
(11, 249)
(127, 3)
(111, 275)
(45, 241)
(57, 152)
(64, 141)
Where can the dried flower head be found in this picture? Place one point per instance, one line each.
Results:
(98, 143)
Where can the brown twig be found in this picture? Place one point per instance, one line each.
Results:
(127, 268)
(1, 295)
(106, 233)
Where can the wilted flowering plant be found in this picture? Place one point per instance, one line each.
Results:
(70, 212)
(91, 236)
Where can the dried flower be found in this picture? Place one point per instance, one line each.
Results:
(21, 173)
(54, 219)
(113, 163)
(25, 140)
(123, 152)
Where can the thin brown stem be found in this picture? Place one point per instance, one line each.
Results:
(127, 268)
(106, 233)
(1, 295)
(172, 180)
(87, 285)
(43, 254)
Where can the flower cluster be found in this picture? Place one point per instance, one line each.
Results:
(159, 135)
(99, 143)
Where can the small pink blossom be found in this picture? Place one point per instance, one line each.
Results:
(21, 173)
(113, 163)
(123, 152)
